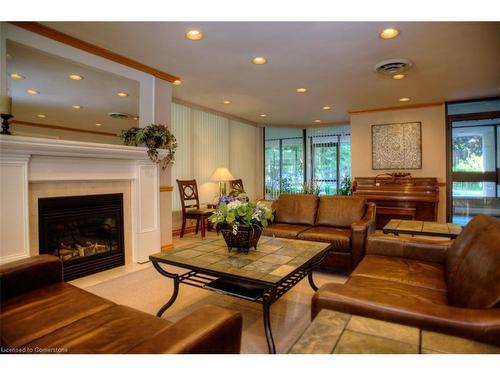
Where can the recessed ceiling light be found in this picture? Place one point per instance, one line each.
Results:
(227, 102)
(389, 33)
(41, 115)
(32, 92)
(75, 77)
(404, 99)
(317, 121)
(194, 35)
(259, 60)
(327, 107)
(16, 76)
(122, 94)
(98, 124)
(398, 76)
(177, 82)
(263, 115)
(76, 106)
(301, 89)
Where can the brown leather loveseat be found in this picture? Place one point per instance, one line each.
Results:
(42, 314)
(343, 221)
(451, 289)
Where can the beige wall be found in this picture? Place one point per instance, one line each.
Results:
(433, 144)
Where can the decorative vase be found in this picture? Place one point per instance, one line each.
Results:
(240, 236)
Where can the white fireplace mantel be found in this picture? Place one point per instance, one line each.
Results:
(25, 160)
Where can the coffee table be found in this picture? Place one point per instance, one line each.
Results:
(261, 276)
(333, 332)
(422, 228)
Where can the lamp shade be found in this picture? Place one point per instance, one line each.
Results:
(5, 104)
(221, 174)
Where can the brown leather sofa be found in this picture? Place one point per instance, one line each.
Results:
(42, 314)
(451, 287)
(343, 221)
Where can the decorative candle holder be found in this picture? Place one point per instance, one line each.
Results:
(5, 123)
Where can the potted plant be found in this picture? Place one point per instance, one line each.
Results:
(154, 137)
(241, 221)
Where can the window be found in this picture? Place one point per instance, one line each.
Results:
(314, 157)
(475, 149)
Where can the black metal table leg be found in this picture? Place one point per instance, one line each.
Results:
(267, 328)
(311, 281)
(172, 299)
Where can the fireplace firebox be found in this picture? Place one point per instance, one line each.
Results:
(86, 232)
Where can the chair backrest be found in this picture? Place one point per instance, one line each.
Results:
(236, 186)
(189, 193)
(340, 211)
(473, 265)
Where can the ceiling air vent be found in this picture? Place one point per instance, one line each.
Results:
(119, 115)
(393, 66)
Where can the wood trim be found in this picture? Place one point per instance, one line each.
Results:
(165, 188)
(167, 247)
(474, 176)
(53, 34)
(396, 108)
(215, 112)
(177, 232)
(59, 127)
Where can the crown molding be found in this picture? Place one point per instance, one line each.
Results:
(56, 35)
(396, 108)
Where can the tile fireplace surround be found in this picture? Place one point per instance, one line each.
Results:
(27, 163)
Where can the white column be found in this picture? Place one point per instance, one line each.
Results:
(162, 115)
(14, 215)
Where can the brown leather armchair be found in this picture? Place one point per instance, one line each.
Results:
(42, 314)
(345, 222)
(449, 287)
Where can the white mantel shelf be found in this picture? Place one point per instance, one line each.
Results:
(25, 160)
(17, 145)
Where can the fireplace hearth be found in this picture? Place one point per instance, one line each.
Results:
(86, 232)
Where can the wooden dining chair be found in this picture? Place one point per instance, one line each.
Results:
(190, 203)
(236, 186)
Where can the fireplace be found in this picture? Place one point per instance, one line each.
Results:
(86, 232)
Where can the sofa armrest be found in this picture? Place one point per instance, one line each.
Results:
(360, 231)
(28, 274)
(209, 330)
(478, 324)
(408, 247)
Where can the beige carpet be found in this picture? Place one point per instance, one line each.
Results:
(147, 290)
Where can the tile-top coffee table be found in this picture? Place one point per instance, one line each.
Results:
(422, 228)
(333, 332)
(262, 275)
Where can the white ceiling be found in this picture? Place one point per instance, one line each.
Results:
(48, 74)
(334, 60)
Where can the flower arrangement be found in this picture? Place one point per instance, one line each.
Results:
(241, 221)
(154, 136)
(239, 210)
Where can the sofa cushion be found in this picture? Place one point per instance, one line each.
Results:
(339, 238)
(284, 230)
(406, 271)
(340, 211)
(473, 265)
(296, 209)
(42, 311)
(114, 330)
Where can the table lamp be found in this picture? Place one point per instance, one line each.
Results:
(221, 175)
(5, 112)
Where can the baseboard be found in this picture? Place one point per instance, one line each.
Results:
(167, 247)
(177, 232)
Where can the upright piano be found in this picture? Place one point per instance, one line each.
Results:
(409, 198)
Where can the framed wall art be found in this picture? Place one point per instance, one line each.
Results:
(397, 146)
